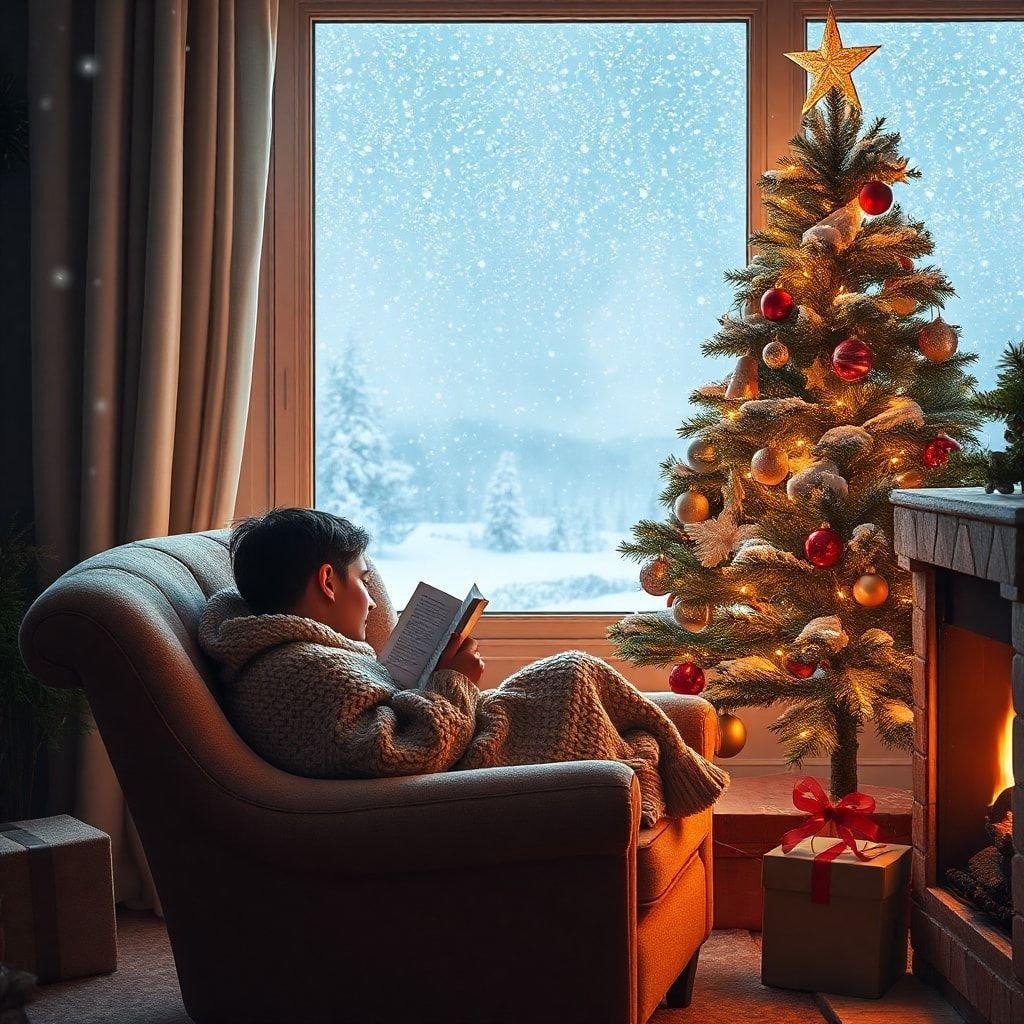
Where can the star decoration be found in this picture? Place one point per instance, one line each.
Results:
(815, 375)
(831, 65)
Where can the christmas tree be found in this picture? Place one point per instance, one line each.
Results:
(778, 556)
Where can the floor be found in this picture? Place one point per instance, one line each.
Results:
(144, 989)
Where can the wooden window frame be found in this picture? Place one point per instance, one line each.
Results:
(278, 464)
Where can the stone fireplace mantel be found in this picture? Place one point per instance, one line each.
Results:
(965, 549)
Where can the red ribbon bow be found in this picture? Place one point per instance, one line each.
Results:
(851, 818)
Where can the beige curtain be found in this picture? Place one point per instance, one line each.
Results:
(150, 145)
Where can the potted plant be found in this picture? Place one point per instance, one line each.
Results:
(32, 716)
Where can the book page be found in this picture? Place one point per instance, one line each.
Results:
(426, 623)
(462, 625)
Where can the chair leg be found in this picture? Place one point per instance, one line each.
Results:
(681, 992)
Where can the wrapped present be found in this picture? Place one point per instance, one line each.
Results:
(835, 910)
(57, 898)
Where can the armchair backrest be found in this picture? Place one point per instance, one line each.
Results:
(123, 624)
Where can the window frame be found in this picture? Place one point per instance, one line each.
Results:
(278, 462)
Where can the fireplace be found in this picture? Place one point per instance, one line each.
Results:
(966, 552)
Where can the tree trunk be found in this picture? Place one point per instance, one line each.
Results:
(844, 757)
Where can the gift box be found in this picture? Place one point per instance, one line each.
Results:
(835, 925)
(56, 898)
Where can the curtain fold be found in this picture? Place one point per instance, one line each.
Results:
(150, 135)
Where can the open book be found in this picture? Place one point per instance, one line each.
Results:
(429, 620)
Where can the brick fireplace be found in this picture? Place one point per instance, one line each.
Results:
(966, 552)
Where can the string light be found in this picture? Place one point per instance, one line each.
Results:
(804, 733)
(841, 593)
(778, 652)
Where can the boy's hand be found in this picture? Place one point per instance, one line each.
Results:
(464, 659)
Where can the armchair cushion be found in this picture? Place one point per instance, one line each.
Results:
(664, 850)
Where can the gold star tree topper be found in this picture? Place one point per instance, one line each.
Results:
(831, 65)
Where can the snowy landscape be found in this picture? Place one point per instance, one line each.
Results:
(520, 237)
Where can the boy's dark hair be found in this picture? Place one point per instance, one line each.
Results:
(274, 555)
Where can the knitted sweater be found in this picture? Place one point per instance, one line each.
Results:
(315, 703)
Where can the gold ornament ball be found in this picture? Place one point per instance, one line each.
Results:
(692, 618)
(910, 478)
(775, 354)
(901, 305)
(654, 577)
(769, 466)
(702, 456)
(871, 590)
(691, 507)
(937, 341)
(732, 735)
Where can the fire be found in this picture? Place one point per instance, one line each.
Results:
(1005, 754)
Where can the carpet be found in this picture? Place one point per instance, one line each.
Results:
(144, 988)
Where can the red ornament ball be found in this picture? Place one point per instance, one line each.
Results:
(875, 198)
(905, 262)
(686, 678)
(776, 304)
(852, 359)
(671, 598)
(800, 669)
(824, 547)
(936, 451)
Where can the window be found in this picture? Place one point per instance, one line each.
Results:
(954, 90)
(500, 212)
(608, 440)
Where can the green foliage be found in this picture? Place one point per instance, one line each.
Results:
(32, 716)
(1005, 402)
(770, 603)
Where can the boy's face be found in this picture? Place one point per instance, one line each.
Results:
(341, 602)
(353, 602)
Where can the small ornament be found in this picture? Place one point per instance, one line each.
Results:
(686, 678)
(800, 669)
(824, 547)
(901, 305)
(936, 451)
(769, 466)
(875, 198)
(654, 577)
(937, 340)
(743, 382)
(716, 539)
(732, 735)
(776, 304)
(775, 355)
(692, 618)
(852, 359)
(831, 65)
(871, 590)
(702, 456)
(910, 478)
(691, 507)
(671, 599)
(838, 229)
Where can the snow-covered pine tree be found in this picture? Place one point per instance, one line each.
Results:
(503, 512)
(779, 552)
(356, 474)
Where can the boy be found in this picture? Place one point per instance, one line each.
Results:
(304, 689)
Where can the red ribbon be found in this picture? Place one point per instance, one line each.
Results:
(851, 818)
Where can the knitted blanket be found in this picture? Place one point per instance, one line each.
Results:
(315, 703)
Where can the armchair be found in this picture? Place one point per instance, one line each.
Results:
(500, 895)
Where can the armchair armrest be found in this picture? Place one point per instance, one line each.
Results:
(447, 820)
(694, 717)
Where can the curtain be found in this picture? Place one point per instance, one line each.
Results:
(150, 134)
